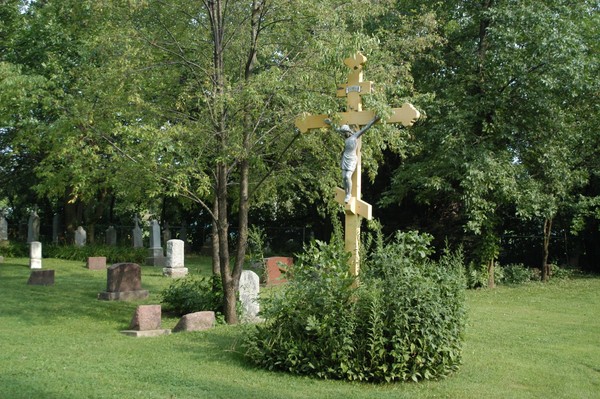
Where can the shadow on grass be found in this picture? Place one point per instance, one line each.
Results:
(74, 294)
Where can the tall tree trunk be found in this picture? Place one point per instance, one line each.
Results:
(545, 265)
(491, 277)
(216, 268)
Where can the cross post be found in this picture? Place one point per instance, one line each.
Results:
(355, 209)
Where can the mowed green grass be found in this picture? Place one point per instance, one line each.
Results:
(533, 341)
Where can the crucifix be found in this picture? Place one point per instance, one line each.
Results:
(350, 197)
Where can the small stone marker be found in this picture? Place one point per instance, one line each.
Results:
(41, 277)
(123, 283)
(96, 262)
(197, 321)
(249, 289)
(275, 268)
(175, 259)
(35, 255)
(146, 322)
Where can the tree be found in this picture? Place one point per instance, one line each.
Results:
(502, 83)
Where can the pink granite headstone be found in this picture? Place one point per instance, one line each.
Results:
(146, 317)
(96, 263)
(197, 321)
(276, 267)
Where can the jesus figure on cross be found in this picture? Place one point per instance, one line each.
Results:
(350, 154)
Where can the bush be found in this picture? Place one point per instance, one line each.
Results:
(560, 273)
(193, 294)
(14, 249)
(516, 274)
(403, 322)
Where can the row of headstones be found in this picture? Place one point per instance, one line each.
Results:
(174, 262)
(33, 232)
(124, 283)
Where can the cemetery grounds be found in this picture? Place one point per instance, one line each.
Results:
(532, 341)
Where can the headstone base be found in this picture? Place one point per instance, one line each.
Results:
(146, 333)
(175, 272)
(35, 263)
(123, 296)
(41, 277)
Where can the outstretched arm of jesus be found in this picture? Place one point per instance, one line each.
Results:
(367, 127)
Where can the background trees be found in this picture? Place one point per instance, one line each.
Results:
(111, 108)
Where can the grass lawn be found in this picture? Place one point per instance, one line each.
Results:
(534, 341)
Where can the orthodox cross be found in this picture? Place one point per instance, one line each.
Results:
(355, 209)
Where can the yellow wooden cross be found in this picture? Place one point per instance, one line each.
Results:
(355, 208)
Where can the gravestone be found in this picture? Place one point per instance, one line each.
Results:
(3, 228)
(35, 255)
(249, 289)
(55, 227)
(96, 262)
(146, 322)
(156, 255)
(41, 277)
(196, 321)
(137, 234)
(175, 262)
(275, 269)
(80, 236)
(123, 283)
(111, 236)
(33, 227)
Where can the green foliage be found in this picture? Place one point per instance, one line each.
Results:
(113, 254)
(14, 249)
(516, 274)
(476, 275)
(403, 322)
(194, 294)
(560, 273)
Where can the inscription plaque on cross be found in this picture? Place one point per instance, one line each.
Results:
(355, 208)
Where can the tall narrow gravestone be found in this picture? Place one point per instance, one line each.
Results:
(175, 263)
(137, 234)
(3, 228)
(156, 255)
(35, 255)
(33, 227)
(123, 283)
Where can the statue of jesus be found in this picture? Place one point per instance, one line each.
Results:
(350, 154)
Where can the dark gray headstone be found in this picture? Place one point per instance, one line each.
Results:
(123, 282)
(41, 277)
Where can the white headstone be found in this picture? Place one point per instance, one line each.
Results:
(35, 255)
(175, 263)
(80, 236)
(249, 289)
